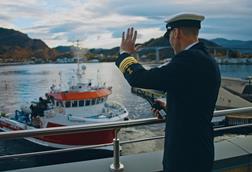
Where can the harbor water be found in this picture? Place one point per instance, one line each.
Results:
(25, 83)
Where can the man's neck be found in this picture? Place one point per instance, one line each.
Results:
(191, 45)
(186, 44)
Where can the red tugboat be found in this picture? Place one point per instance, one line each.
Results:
(81, 103)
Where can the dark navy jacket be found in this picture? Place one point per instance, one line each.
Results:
(192, 81)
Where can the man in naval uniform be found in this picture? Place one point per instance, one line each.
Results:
(192, 81)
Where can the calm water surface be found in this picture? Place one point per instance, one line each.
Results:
(20, 84)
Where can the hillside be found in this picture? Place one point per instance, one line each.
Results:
(163, 42)
(233, 43)
(17, 46)
(150, 54)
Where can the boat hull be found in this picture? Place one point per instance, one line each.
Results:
(63, 140)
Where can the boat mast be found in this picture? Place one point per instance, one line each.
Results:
(78, 73)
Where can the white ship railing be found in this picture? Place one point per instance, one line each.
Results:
(116, 166)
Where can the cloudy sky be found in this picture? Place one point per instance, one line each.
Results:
(99, 23)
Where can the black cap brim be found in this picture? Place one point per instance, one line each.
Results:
(184, 23)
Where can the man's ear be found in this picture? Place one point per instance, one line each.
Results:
(177, 33)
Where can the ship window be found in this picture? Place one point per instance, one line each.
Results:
(74, 103)
(87, 102)
(61, 104)
(93, 101)
(102, 99)
(98, 100)
(68, 104)
(81, 103)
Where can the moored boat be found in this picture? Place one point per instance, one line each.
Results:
(83, 102)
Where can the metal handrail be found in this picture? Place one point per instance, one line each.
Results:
(102, 126)
(22, 155)
(232, 111)
(78, 128)
(116, 166)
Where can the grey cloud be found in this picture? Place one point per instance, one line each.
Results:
(84, 18)
(66, 27)
(167, 8)
(5, 17)
(22, 9)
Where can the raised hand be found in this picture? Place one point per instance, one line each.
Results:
(128, 42)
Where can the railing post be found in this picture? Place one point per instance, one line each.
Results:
(116, 166)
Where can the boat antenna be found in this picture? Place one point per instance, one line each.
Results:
(78, 73)
(60, 83)
(98, 78)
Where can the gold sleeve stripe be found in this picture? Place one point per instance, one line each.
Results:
(126, 63)
(125, 60)
(127, 66)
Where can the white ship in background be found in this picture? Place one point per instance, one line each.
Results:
(235, 93)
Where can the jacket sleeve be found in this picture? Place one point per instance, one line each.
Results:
(161, 78)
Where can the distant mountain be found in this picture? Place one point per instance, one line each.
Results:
(149, 53)
(163, 42)
(106, 52)
(64, 49)
(233, 43)
(167, 53)
(18, 46)
(154, 42)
